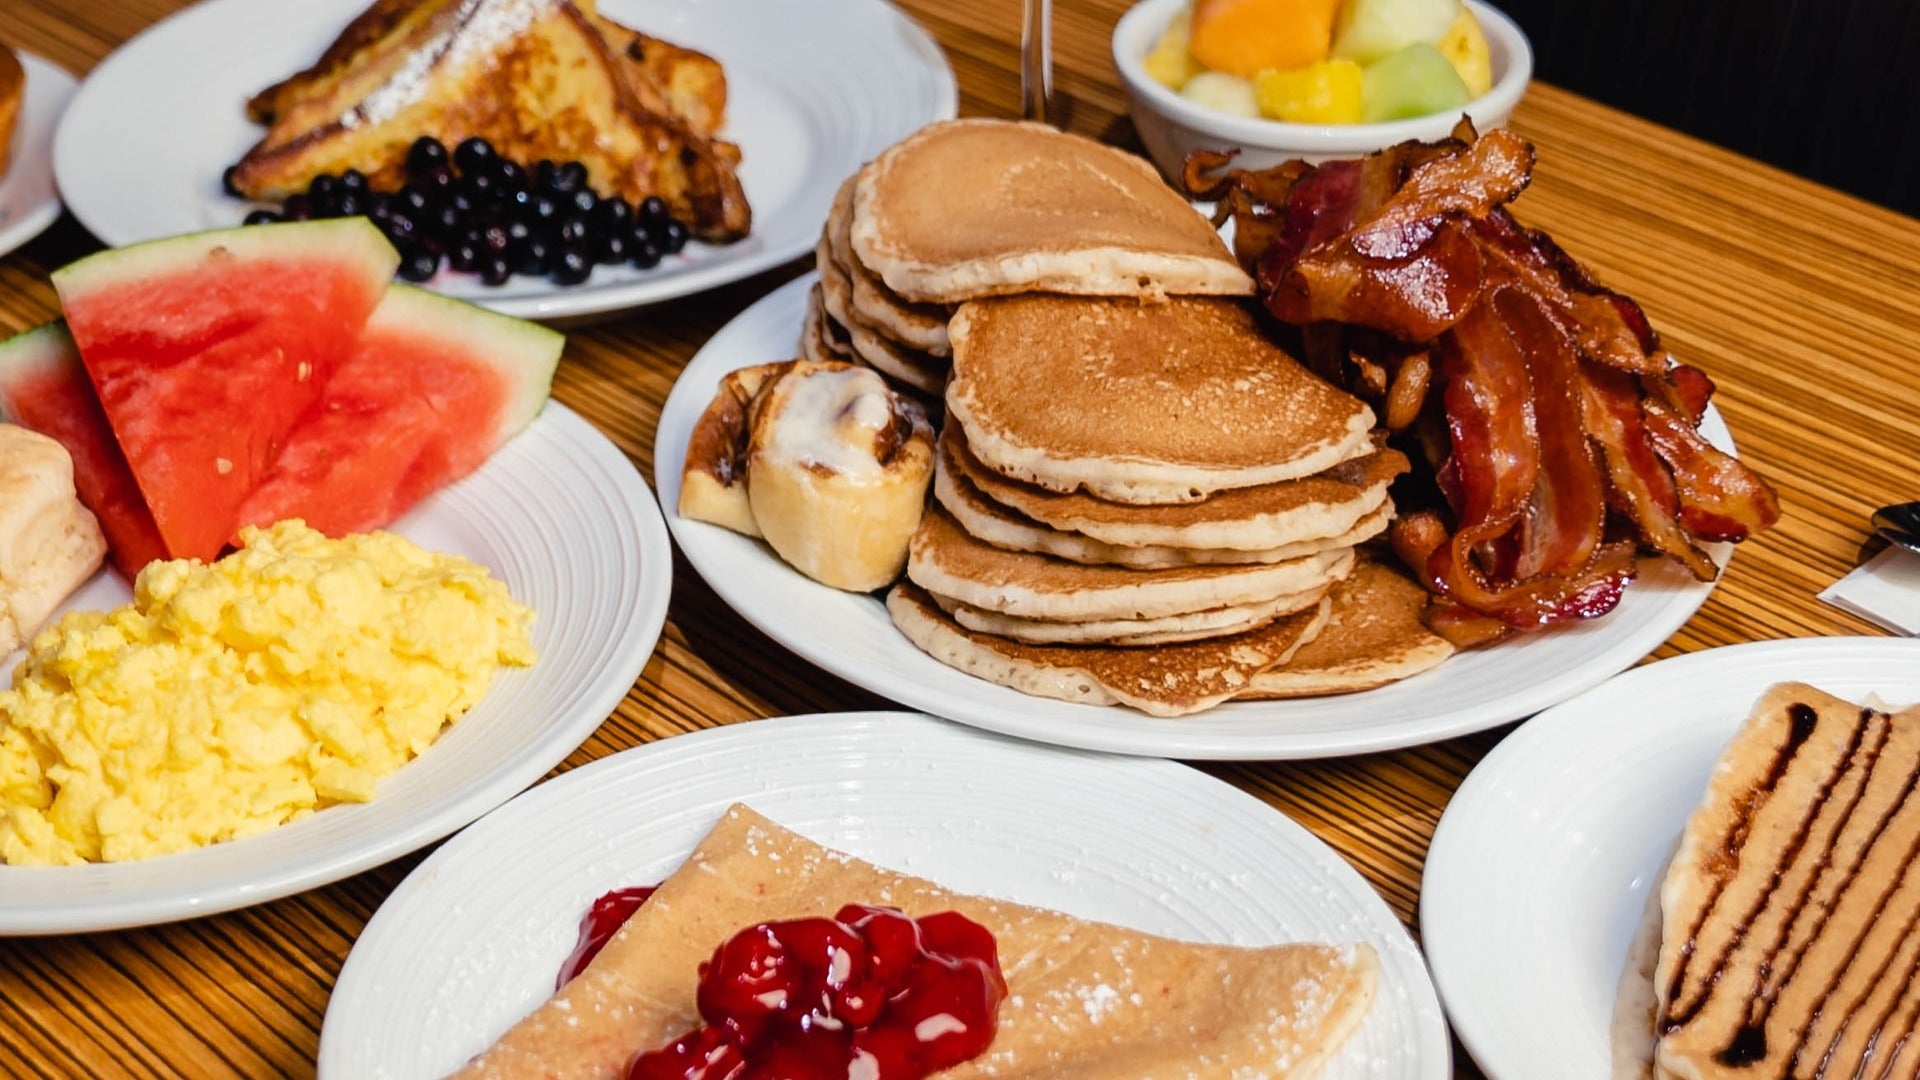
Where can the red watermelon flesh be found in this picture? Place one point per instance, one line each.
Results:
(434, 387)
(205, 350)
(44, 387)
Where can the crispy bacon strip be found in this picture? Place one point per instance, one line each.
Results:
(1560, 436)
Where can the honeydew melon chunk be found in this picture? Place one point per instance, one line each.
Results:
(1367, 30)
(1416, 81)
(1222, 93)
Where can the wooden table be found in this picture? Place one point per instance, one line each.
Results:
(1802, 303)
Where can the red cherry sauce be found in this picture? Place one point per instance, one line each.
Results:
(869, 994)
(604, 919)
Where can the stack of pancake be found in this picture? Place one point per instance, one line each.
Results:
(1138, 497)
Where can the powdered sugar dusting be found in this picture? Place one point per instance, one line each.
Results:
(479, 29)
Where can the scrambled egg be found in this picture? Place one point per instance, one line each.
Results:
(232, 697)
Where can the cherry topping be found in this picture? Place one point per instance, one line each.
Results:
(604, 919)
(869, 993)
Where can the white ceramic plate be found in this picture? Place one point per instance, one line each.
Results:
(562, 517)
(815, 88)
(1540, 870)
(28, 200)
(851, 635)
(470, 942)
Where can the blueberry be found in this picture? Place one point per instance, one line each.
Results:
(582, 201)
(419, 265)
(612, 247)
(495, 240)
(411, 200)
(510, 175)
(427, 154)
(573, 230)
(614, 214)
(653, 208)
(298, 208)
(349, 204)
(540, 177)
(518, 233)
(353, 180)
(571, 267)
(379, 205)
(400, 229)
(226, 182)
(442, 221)
(472, 156)
(323, 187)
(461, 203)
(644, 252)
(261, 217)
(568, 178)
(536, 256)
(673, 237)
(464, 256)
(436, 182)
(483, 188)
(495, 270)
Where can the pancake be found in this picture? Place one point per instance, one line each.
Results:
(1171, 402)
(1165, 680)
(915, 326)
(1168, 630)
(821, 340)
(944, 559)
(1789, 943)
(995, 524)
(1085, 1000)
(1373, 637)
(971, 208)
(919, 370)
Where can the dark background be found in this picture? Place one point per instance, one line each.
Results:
(1824, 88)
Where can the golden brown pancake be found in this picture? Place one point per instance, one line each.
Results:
(1170, 402)
(1086, 1001)
(971, 208)
(922, 371)
(1373, 637)
(943, 558)
(1791, 912)
(1161, 680)
(1001, 527)
(1166, 630)
(1253, 519)
(821, 339)
(914, 326)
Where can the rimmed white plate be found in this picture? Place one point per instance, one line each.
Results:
(1540, 870)
(562, 517)
(470, 942)
(28, 199)
(815, 88)
(851, 635)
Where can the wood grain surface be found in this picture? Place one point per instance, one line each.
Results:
(1804, 305)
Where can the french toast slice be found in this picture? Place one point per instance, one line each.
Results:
(687, 85)
(535, 78)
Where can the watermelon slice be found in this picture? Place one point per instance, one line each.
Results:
(44, 387)
(434, 387)
(206, 349)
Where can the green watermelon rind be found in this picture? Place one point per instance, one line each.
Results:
(523, 353)
(40, 351)
(332, 238)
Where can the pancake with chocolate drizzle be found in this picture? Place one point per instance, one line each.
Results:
(1791, 941)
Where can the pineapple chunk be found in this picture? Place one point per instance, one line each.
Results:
(1324, 93)
(1465, 46)
(1168, 62)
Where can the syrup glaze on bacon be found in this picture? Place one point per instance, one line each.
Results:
(1560, 439)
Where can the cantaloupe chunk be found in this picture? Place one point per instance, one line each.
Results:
(1245, 37)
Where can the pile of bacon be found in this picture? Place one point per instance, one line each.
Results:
(1559, 438)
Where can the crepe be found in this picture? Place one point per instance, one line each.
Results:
(971, 208)
(1163, 680)
(1086, 1001)
(1790, 942)
(1171, 402)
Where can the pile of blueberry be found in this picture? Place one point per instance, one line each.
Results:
(487, 215)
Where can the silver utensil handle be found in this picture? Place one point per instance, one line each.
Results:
(1036, 61)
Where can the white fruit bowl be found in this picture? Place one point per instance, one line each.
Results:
(1172, 126)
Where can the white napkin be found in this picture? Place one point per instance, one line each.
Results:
(1885, 590)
